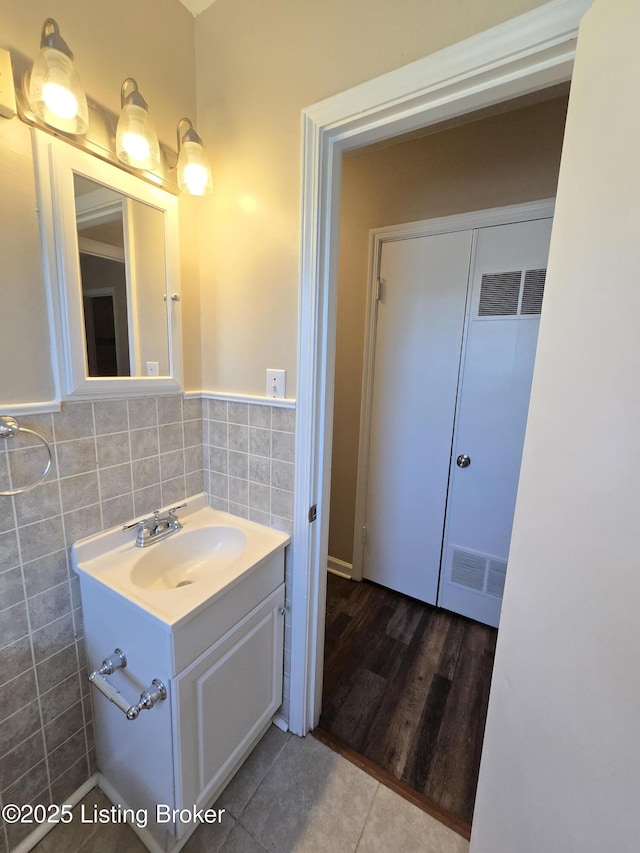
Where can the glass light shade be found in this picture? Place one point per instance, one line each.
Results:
(194, 171)
(56, 95)
(136, 138)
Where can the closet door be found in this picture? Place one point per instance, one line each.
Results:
(419, 327)
(499, 353)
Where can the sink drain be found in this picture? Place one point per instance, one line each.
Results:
(183, 583)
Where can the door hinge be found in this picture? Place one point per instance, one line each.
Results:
(313, 513)
(364, 534)
(378, 289)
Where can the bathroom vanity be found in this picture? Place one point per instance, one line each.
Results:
(201, 614)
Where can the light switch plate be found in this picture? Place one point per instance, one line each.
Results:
(276, 383)
(153, 368)
(7, 90)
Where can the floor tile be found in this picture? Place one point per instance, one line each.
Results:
(239, 841)
(300, 806)
(246, 781)
(70, 837)
(396, 824)
(114, 838)
(210, 837)
(302, 797)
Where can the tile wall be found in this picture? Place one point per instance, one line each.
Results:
(112, 460)
(249, 455)
(249, 471)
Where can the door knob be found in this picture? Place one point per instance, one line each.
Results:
(463, 461)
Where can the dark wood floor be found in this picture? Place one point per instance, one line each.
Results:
(406, 688)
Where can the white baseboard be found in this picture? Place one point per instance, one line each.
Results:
(340, 568)
(38, 834)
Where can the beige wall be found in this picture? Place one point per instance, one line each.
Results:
(151, 40)
(505, 159)
(258, 64)
(24, 335)
(561, 760)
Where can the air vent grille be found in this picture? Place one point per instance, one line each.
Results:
(533, 291)
(499, 294)
(468, 569)
(496, 576)
(511, 294)
(478, 571)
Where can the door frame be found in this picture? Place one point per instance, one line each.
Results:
(505, 215)
(521, 56)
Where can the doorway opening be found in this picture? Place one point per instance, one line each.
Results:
(523, 55)
(406, 684)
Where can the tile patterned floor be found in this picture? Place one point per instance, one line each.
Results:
(292, 795)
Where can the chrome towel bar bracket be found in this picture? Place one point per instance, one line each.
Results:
(9, 428)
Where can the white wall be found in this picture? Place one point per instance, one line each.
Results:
(561, 761)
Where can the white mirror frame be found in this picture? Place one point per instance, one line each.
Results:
(56, 163)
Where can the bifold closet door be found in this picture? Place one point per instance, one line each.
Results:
(419, 328)
(499, 353)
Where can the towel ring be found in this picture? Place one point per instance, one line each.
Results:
(8, 429)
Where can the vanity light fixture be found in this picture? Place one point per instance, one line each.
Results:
(56, 95)
(194, 171)
(136, 139)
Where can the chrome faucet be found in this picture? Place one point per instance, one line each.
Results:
(157, 527)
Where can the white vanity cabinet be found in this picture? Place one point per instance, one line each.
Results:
(226, 699)
(221, 662)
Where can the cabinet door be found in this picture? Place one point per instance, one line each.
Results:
(226, 699)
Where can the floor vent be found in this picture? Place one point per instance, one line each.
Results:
(478, 571)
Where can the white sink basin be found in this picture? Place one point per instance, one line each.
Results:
(189, 558)
(178, 576)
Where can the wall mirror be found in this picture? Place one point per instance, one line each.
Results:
(110, 245)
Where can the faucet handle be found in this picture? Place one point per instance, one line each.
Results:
(139, 524)
(174, 521)
(143, 531)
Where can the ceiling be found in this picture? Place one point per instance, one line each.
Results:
(196, 6)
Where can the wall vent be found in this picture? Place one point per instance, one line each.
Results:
(533, 291)
(511, 294)
(478, 571)
(468, 569)
(496, 575)
(499, 294)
